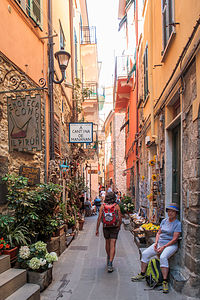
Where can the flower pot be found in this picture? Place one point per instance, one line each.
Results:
(42, 279)
(12, 252)
(81, 222)
(59, 231)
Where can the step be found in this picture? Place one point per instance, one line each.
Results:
(10, 281)
(28, 291)
(4, 263)
(177, 279)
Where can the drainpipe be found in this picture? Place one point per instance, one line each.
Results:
(51, 70)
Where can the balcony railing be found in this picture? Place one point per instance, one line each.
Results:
(88, 35)
(90, 90)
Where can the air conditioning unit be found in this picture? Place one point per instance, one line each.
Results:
(147, 140)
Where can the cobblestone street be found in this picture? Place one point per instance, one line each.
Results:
(80, 272)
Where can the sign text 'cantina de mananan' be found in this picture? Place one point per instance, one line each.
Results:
(81, 132)
(24, 123)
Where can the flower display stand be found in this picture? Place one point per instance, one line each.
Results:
(42, 279)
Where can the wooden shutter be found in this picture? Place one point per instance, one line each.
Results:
(145, 62)
(35, 11)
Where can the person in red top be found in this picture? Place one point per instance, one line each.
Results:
(110, 233)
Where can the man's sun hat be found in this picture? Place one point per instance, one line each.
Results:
(172, 206)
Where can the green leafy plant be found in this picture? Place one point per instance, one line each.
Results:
(33, 207)
(16, 235)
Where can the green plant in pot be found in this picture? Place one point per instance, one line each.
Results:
(32, 206)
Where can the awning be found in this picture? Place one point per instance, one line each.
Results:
(123, 20)
(124, 125)
(131, 72)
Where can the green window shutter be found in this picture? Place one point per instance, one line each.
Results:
(36, 11)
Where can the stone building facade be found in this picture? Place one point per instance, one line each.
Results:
(119, 153)
(12, 159)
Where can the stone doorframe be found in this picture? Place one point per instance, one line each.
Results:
(168, 161)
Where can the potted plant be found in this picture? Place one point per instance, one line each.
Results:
(14, 237)
(32, 207)
(38, 262)
(3, 245)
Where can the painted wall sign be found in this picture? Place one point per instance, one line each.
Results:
(33, 174)
(81, 132)
(24, 123)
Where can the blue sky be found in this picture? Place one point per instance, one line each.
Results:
(104, 15)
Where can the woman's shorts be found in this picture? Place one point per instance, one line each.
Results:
(110, 232)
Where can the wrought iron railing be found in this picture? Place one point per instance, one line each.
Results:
(90, 90)
(88, 35)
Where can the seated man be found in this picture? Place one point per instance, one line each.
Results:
(165, 245)
(87, 206)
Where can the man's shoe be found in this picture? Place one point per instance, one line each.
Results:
(110, 267)
(165, 287)
(138, 277)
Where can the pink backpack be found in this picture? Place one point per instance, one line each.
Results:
(110, 216)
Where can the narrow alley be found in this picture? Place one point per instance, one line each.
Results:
(81, 274)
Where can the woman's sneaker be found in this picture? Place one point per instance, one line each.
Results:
(138, 277)
(165, 287)
(110, 267)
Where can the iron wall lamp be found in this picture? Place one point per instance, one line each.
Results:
(63, 58)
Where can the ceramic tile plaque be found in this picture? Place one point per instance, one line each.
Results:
(24, 123)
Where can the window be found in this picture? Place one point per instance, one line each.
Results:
(76, 53)
(111, 127)
(62, 38)
(167, 20)
(36, 11)
(128, 120)
(23, 4)
(56, 135)
(33, 8)
(145, 62)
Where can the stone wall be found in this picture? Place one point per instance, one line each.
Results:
(11, 161)
(119, 161)
(191, 187)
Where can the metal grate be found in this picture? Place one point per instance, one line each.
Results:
(78, 248)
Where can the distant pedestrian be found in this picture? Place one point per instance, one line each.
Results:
(97, 203)
(110, 214)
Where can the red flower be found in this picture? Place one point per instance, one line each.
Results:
(1, 246)
(1, 239)
(7, 246)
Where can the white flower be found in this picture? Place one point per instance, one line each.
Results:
(54, 255)
(34, 263)
(24, 252)
(42, 262)
(50, 265)
(41, 246)
(51, 257)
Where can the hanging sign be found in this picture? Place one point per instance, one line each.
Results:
(81, 132)
(24, 123)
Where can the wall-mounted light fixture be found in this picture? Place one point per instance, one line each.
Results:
(63, 58)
